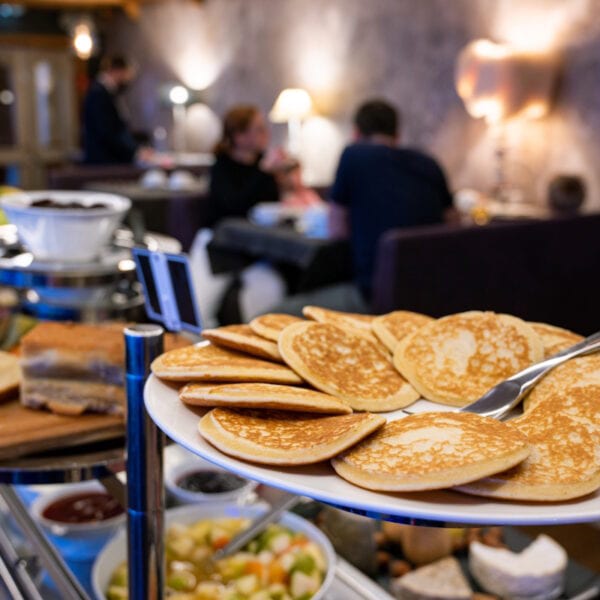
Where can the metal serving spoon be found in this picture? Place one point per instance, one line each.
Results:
(507, 394)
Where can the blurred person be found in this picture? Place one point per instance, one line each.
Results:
(239, 179)
(380, 186)
(294, 193)
(106, 135)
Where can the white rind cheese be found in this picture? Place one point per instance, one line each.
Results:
(536, 572)
(441, 580)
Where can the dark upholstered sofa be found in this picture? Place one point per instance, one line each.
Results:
(538, 270)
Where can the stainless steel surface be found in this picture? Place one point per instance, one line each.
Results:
(286, 502)
(351, 584)
(14, 574)
(506, 395)
(145, 503)
(66, 466)
(18, 268)
(589, 594)
(65, 581)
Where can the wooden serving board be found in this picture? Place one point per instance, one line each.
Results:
(25, 431)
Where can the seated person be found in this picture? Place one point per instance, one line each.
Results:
(294, 193)
(379, 186)
(106, 136)
(238, 180)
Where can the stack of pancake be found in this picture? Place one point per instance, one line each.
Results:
(287, 391)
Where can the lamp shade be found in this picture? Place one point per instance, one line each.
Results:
(496, 81)
(291, 104)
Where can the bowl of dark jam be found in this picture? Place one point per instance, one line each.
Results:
(195, 480)
(80, 510)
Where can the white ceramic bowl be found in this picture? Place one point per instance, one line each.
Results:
(115, 552)
(96, 532)
(65, 235)
(173, 473)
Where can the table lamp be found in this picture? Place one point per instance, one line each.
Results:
(292, 105)
(498, 82)
(178, 96)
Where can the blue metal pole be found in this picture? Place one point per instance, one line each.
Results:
(145, 496)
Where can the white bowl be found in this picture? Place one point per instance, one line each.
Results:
(115, 552)
(95, 533)
(154, 178)
(65, 235)
(175, 472)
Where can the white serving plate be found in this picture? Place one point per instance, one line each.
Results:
(320, 482)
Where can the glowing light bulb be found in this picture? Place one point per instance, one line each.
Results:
(83, 42)
(179, 95)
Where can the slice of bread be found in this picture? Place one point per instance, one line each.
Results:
(10, 376)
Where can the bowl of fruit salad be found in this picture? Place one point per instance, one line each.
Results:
(290, 560)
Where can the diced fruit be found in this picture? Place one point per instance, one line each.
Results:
(181, 547)
(280, 543)
(302, 584)
(119, 578)
(304, 563)
(316, 553)
(277, 574)
(182, 581)
(116, 593)
(247, 584)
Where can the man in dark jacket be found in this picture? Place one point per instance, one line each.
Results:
(380, 186)
(107, 139)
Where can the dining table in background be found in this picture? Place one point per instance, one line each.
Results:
(306, 262)
(179, 213)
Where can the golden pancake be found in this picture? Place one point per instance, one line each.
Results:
(565, 460)
(345, 365)
(394, 326)
(211, 363)
(243, 339)
(355, 322)
(554, 338)
(262, 395)
(577, 373)
(283, 438)
(430, 451)
(271, 325)
(458, 358)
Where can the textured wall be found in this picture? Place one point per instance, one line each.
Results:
(343, 51)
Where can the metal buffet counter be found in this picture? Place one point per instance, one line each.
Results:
(103, 289)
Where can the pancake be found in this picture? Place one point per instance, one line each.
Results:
(430, 451)
(394, 326)
(243, 339)
(262, 395)
(458, 358)
(282, 438)
(345, 365)
(357, 323)
(555, 339)
(211, 363)
(577, 373)
(565, 461)
(269, 326)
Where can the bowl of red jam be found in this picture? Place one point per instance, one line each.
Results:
(195, 480)
(80, 510)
